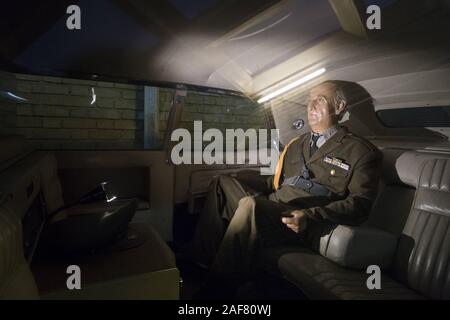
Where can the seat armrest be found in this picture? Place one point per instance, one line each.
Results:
(359, 247)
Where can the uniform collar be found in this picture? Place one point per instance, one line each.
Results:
(324, 136)
(332, 143)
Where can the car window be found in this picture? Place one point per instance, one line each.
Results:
(433, 116)
(223, 112)
(61, 113)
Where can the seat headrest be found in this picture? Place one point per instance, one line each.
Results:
(409, 165)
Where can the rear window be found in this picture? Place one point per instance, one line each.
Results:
(61, 113)
(434, 116)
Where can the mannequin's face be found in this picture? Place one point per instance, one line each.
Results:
(322, 109)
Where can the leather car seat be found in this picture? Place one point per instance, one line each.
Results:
(420, 268)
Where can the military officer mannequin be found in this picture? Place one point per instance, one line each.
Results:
(325, 177)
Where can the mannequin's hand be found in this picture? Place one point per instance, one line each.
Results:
(297, 222)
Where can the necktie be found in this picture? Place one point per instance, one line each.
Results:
(314, 139)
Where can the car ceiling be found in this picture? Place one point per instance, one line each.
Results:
(248, 46)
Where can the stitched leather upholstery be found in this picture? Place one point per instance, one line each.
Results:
(421, 266)
(423, 259)
(320, 278)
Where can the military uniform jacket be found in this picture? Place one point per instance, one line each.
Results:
(346, 164)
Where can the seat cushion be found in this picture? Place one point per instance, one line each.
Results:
(319, 278)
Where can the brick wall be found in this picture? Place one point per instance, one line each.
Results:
(215, 111)
(59, 113)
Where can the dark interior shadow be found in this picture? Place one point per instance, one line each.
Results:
(405, 248)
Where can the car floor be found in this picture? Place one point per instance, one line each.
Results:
(193, 276)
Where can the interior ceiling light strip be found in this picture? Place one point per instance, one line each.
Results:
(292, 85)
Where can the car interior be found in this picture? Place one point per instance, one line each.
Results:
(87, 116)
